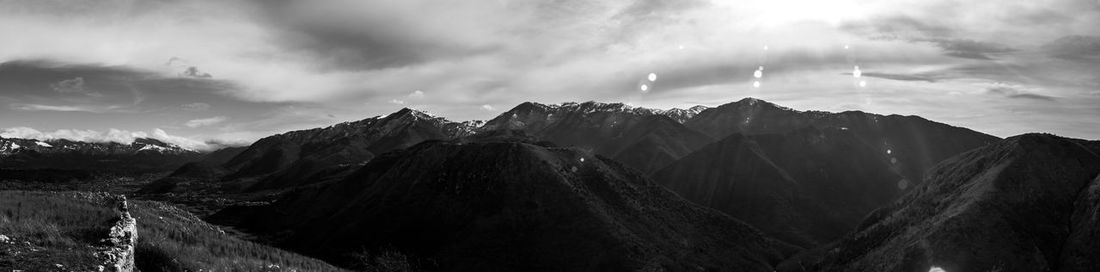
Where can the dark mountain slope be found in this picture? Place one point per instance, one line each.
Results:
(1027, 203)
(297, 157)
(807, 186)
(916, 143)
(614, 130)
(492, 205)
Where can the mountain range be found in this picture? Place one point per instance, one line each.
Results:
(509, 205)
(744, 186)
(143, 154)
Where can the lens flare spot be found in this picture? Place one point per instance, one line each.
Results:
(758, 74)
(582, 159)
(863, 83)
(894, 160)
(845, 47)
(652, 77)
(756, 84)
(765, 48)
(644, 88)
(888, 151)
(936, 269)
(856, 72)
(903, 184)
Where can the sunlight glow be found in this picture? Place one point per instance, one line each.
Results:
(780, 12)
(936, 269)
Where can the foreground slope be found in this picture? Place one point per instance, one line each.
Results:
(1028, 203)
(806, 187)
(503, 205)
(77, 231)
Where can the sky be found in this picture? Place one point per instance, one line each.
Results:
(209, 73)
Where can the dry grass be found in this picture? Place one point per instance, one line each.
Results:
(47, 229)
(171, 239)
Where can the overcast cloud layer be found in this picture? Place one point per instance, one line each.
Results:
(233, 71)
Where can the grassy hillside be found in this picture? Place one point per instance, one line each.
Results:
(52, 231)
(47, 229)
(171, 239)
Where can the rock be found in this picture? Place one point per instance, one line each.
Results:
(4, 238)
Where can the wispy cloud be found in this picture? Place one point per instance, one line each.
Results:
(365, 58)
(73, 86)
(195, 107)
(1011, 91)
(205, 122)
(68, 108)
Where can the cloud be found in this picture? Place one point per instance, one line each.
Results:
(1074, 47)
(73, 86)
(416, 94)
(184, 68)
(35, 107)
(1011, 91)
(970, 49)
(340, 55)
(487, 107)
(68, 108)
(891, 76)
(193, 71)
(184, 142)
(397, 102)
(195, 107)
(111, 135)
(205, 122)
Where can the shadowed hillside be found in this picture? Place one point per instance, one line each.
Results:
(493, 205)
(1027, 203)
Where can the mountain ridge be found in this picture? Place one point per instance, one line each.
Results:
(1023, 203)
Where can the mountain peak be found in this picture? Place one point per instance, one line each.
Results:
(413, 113)
(756, 102)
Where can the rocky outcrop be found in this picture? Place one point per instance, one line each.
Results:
(119, 256)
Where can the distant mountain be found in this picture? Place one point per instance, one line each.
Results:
(645, 139)
(914, 142)
(682, 115)
(143, 154)
(294, 158)
(806, 187)
(493, 204)
(1027, 203)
